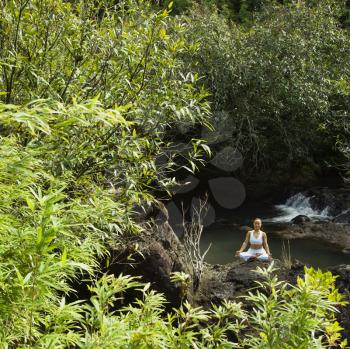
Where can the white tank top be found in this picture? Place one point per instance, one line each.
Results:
(256, 241)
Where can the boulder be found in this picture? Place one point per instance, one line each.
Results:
(220, 282)
(322, 198)
(300, 219)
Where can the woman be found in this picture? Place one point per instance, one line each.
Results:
(259, 249)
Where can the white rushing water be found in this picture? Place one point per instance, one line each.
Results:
(298, 204)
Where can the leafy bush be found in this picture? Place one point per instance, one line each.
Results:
(65, 198)
(301, 316)
(126, 53)
(274, 85)
(282, 316)
(72, 170)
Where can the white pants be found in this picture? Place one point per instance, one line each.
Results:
(253, 252)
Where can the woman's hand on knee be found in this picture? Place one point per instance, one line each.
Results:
(237, 253)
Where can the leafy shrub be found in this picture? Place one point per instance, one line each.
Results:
(301, 316)
(126, 53)
(274, 85)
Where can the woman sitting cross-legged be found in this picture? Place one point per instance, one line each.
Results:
(259, 249)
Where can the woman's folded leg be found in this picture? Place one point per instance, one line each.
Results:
(263, 258)
(260, 255)
(245, 256)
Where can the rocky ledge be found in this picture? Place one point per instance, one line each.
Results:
(333, 233)
(220, 282)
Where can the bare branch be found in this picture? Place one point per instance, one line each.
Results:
(191, 239)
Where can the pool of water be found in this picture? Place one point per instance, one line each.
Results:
(226, 239)
(222, 230)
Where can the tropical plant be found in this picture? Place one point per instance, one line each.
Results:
(300, 316)
(183, 281)
(126, 53)
(72, 170)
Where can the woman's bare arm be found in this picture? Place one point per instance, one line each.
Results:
(266, 245)
(245, 243)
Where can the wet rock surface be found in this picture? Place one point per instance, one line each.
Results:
(335, 234)
(300, 219)
(325, 198)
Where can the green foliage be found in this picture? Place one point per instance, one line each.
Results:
(123, 57)
(183, 281)
(70, 177)
(89, 93)
(140, 325)
(283, 316)
(73, 165)
(125, 53)
(45, 242)
(301, 316)
(337, 124)
(275, 84)
(244, 12)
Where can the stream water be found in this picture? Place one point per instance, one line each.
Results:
(226, 237)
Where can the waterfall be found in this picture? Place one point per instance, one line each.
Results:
(298, 204)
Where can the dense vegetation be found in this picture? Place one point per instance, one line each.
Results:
(279, 86)
(91, 95)
(278, 76)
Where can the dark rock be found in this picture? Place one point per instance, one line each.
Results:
(322, 198)
(154, 255)
(289, 191)
(300, 219)
(344, 217)
(235, 279)
(297, 265)
(324, 220)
